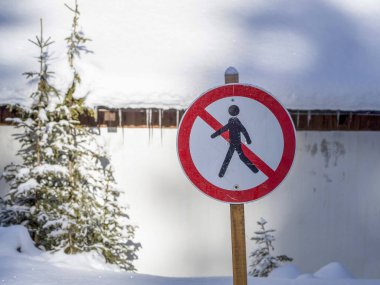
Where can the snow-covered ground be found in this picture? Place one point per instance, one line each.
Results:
(22, 264)
(311, 54)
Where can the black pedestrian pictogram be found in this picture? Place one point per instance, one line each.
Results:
(235, 127)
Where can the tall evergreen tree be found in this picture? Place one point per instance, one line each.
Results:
(107, 228)
(33, 183)
(262, 260)
(73, 205)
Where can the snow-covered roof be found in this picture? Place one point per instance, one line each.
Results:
(310, 54)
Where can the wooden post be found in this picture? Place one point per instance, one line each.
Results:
(239, 258)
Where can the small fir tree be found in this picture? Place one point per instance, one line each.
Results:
(262, 260)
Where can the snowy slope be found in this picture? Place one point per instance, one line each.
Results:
(318, 54)
(21, 263)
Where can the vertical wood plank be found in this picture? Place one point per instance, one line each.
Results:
(239, 259)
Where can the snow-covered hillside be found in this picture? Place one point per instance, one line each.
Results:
(21, 263)
(318, 54)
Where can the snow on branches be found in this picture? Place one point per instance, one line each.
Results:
(262, 260)
(62, 192)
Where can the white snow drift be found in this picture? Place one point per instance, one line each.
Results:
(21, 263)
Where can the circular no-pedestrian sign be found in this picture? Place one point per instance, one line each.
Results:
(236, 143)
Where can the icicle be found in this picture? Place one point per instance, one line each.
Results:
(147, 122)
(308, 118)
(122, 133)
(350, 120)
(147, 118)
(337, 118)
(160, 118)
(121, 124)
(120, 119)
(150, 124)
(177, 118)
(96, 114)
(160, 115)
(298, 118)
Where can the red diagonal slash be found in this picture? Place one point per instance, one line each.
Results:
(260, 164)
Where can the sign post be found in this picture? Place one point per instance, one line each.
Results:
(239, 253)
(236, 144)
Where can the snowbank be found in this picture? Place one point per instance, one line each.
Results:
(309, 54)
(288, 271)
(333, 270)
(15, 243)
(22, 263)
(16, 240)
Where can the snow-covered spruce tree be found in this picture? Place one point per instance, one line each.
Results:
(80, 210)
(34, 183)
(262, 260)
(105, 223)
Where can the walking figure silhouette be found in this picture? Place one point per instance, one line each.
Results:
(235, 127)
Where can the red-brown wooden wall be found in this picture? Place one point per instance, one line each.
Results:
(313, 120)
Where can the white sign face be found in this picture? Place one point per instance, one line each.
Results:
(236, 143)
(208, 153)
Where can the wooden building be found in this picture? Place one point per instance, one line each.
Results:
(304, 120)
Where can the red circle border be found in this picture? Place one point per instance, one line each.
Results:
(201, 103)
